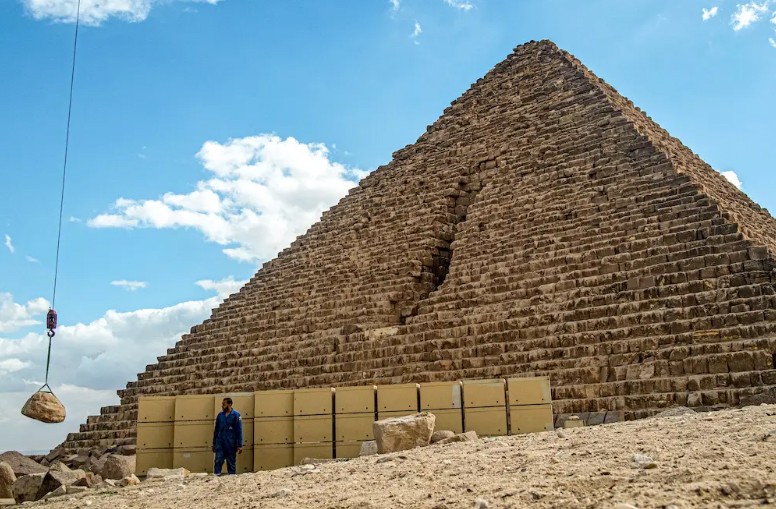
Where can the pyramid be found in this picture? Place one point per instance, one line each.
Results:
(543, 225)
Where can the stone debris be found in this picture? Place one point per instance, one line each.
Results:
(130, 480)
(21, 464)
(441, 435)
(643, 461)
(675, 412)
(368, 448)
(44, 407)
(118, 467)
(469, 436)
(167, 473)
(402, 433)
(7, 478)
(26, 487)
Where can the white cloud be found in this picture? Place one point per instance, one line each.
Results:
(31, 259)
(772, 41)
(707, 14)
(732, 177)
(95, 12)
(264, 191)
(130, 286)
(460, 4)
(15, 316)
(416, 33)
(395, 4)
(9, 244)
(748, 13)
(224, 288)
(89, 360)
(74, 219)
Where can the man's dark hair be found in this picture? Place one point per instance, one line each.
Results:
(228, 401)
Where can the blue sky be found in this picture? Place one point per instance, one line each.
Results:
(206, 135)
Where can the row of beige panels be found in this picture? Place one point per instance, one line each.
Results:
(280, 428)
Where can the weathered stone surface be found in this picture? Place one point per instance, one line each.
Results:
(7, 478)
(56, 492)
(543, 224)
(402, 433)
(44, 407)
(166, 473)
(97, 464)
(21, 464)
(118, 467)
(441, 435)
(130, 480)
(90, 480)
(675, 411)
(56, 478)
(368, 448)
(58, 466)
(126, 450)
(26, 487)
(469, 436)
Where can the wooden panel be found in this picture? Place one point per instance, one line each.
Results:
(395, 398)
(194, 408)
(440, 395)
(155, 435)
(313, 401)
(484, 393)
(486, 421)
(531, 418)
(152, 458)
(273, 404)
(353, 400)
(529, 391)
(156, 409)
(270, 457)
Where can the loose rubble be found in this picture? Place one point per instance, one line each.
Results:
(700, 460)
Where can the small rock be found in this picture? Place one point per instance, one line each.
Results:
(441, 435)
(73, 489)
(469, 436)
(368, 448)
(118, 467)
(167, 473)
(481, 503)
(281, 493)
(624, 506)
(130, 480)
(61, 490)
(384, 459)
(7, 478)
(561, 433)
(771, 435)
(58, 466)
(643, 461)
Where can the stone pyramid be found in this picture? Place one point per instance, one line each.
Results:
(543, 225)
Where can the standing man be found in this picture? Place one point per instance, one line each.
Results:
(227, 438)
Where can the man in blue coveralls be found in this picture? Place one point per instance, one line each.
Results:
(227, 438)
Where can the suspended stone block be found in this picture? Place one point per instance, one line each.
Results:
(44, 407)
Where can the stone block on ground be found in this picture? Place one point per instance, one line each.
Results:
(402, 433)
(44, 407)
(118, 467)
(55, 479)
(26, 487)
(441, 435)
(21, 464)
(167, 473)
(7, 478)
(368, 448)
(469, 436)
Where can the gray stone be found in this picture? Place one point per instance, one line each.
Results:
(643, 461)
(118, 467)
(481, 503)
(469, 436)
(130, 480)
(73, 489)
(7, 478)
(26, 487)
(126, 450)
(167, 473)
(441, 435)
(21, 464)
(58, 492)
(58, 466)
(402, 433)
(368, 448)
(55, 455)
(54, 479)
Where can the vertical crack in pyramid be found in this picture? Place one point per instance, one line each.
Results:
(541, 226)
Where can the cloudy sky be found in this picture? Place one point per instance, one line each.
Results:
(207, 134)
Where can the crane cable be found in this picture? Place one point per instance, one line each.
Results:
(51, 316)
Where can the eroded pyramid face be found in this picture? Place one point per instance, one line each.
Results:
(543, 225)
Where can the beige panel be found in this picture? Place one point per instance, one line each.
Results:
(241, 401)
(194, 460)
(156, 409)
(194, 408)
(440, 395)
(486, 421)
(313, 428)
(270, 457)
(354, 400)
(347, 449)
(273, 404)
(152, 458)
(483, 393)
(193, 434)
(244, 461)
(394, 398)
(531, 419)
(155, 435)
(351, 427)
(450, 420)
(313, 401)
(273, 430)
(399, 413)
(317, 451)
(529, 391)
(248, 433)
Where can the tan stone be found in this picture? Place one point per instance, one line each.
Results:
(118, 467)
(7, 478)
(44, 407)
(402, 433)
(26, 487)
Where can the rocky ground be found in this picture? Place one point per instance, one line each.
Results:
(721, 459)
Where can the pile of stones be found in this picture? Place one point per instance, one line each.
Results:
(30, 478)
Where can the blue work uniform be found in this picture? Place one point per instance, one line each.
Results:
(227, 438)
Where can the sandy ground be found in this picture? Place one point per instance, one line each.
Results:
(722, 459)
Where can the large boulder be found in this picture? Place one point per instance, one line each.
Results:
(96, 464)
(21, 464)
(25, 489)
(7, 478)
(44, 407)
(55, 479)
(402, 433)
(118, 467)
